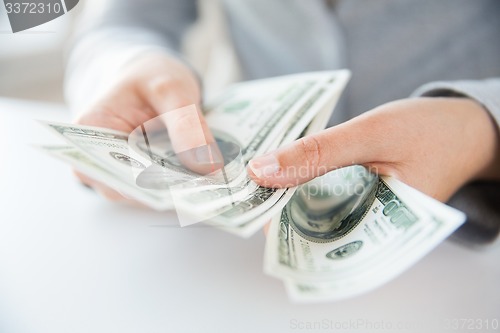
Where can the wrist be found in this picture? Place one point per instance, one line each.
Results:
(483, 141)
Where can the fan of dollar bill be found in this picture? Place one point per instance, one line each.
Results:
(339, 235)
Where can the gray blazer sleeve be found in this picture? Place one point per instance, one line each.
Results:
(479, 200)
(111, 33)
(486, 92)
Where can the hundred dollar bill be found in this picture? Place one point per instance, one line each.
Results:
(245, 216)
(257, 210)
(253, 213)
(256, 116)
(375, 276)
(111, 149)
(328, 244)
(81, 161)
(382, 271)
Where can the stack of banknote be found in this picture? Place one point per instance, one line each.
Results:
(249, 119)
(349, 231)
(336, 236)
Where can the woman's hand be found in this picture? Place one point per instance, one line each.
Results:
(435, 145)
(151, 85)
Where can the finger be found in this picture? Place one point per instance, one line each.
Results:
(312, 156)
(120, 109)
(188, 130)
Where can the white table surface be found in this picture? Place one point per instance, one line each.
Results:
(72, 262)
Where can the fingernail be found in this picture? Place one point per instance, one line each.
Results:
(265, 165)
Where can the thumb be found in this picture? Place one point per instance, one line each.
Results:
(315, 155)
(188, 130)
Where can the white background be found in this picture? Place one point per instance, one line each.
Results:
(72, 262)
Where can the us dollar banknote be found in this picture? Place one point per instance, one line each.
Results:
(339, 235)
(82, 162)
(350, 231)
(255, 116)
